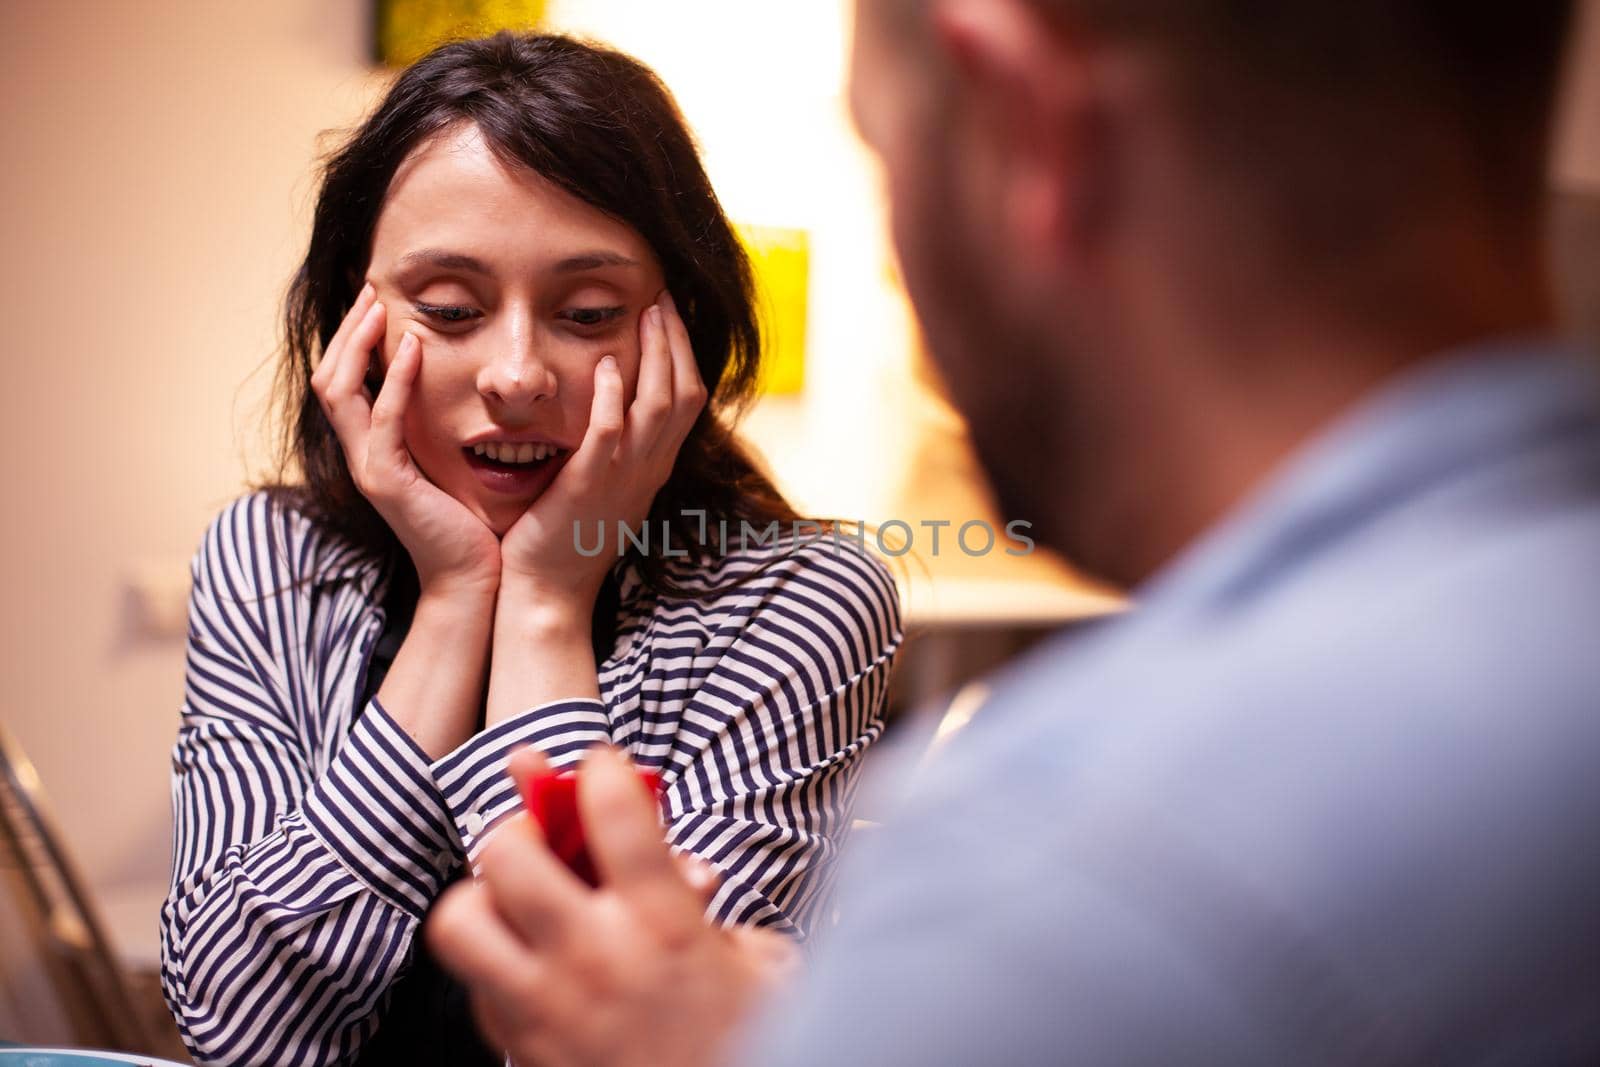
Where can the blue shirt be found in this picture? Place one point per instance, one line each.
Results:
(1329, 794)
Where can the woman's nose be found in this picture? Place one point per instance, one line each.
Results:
(517, 376)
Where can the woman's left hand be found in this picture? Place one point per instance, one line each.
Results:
(614, 475)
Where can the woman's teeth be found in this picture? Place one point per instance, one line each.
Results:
(509, 453)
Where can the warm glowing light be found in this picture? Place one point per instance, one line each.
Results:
(781, 259)
(409, 29)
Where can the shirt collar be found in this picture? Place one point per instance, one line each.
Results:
(1462, 409)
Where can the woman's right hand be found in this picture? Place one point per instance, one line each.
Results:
(454, 551)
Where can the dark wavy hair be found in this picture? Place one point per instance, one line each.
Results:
(602, 126)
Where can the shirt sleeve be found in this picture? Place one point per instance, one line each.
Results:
(295, 895)
(772, 736)
(477, 791)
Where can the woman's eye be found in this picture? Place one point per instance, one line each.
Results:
(591, 316)
(447, 313)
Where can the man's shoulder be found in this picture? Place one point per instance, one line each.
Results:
(1338, 757)
(1427, 693)
(1405, 797)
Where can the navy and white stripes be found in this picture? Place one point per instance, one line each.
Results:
(312, 834)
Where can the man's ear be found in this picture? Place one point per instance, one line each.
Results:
(1031, 84)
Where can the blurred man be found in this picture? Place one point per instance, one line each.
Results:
(1246, 304)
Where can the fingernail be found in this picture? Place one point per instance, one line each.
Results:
(608, 362)
(367, 290)
(655, 314)
(667, 301)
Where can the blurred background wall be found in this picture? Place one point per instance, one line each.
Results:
(156, 191)
(154, 194)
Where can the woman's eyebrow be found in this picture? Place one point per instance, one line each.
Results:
(447, 260)
(592, 261)
(438, 257)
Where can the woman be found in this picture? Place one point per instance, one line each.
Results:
(532, 317)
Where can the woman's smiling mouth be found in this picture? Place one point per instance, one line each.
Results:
(520, 454)
(515, 468)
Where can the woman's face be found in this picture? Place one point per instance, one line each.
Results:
(516, 289)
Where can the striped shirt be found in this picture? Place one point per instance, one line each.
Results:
(312, 833)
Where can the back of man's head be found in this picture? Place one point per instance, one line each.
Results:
(1334, 116)
(1343, 111)
(1181, 219)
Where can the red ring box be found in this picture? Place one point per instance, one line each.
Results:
(552, 799)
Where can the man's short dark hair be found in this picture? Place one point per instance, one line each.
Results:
(1320, 112)
(1357, 104)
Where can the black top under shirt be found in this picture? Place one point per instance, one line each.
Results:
(428, 1019)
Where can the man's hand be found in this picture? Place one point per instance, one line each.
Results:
(630, 973)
